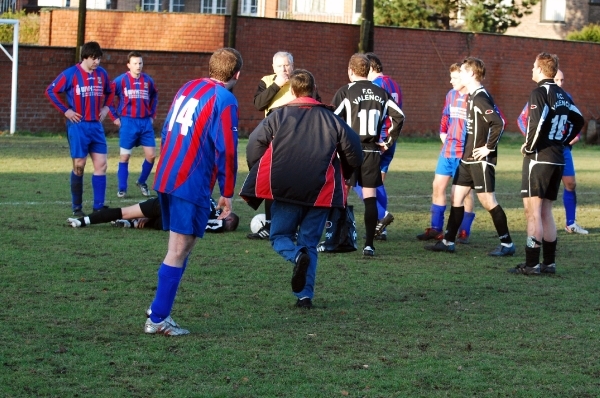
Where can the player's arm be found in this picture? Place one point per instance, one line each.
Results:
(445, 121)
(59, 85)
(264, 95)
(522, 120)
(575, 122)
(494, 123)
(153, 94)
(226, 141)
(341, 106)
(112, 111)
(349, 149)
(538, 111)
(109, 97)
(396, 121)
(494, 120)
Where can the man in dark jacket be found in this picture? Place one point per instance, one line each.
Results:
(299, 157)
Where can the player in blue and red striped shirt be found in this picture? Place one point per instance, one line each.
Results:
(568, 176)
(453, 134)
(135, 115)
(198, 146)
(88, 92)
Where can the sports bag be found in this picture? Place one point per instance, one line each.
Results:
(340, 231)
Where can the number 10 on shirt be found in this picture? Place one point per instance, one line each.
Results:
(369, 126)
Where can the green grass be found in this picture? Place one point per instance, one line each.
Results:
(408, 323)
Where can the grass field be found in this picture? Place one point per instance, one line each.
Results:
(408, 323)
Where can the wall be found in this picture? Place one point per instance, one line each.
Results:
(417, 59)
(140, 30)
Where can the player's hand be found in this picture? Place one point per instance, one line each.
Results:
(73, 116)
(226, 206)
(282, 79)
(117, 122)
(523, 149)
(574, 140)
(142, 222)
(103, 113)
(481, 152)
(383, 146)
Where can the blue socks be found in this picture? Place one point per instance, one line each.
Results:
(570, 203)
(146, 170)
(99, 187)
(76, 191)
(168, 282)
(437, 217)
(467, 222)
(123, 175)
(381, 201)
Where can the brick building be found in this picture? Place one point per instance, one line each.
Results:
(553, 19)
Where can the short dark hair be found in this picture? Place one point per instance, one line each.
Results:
(375, 62)
(132, 55)
(91, 49)
(548, 63)
(476, 66)
(359, 64)
(231, 222)
(224, 63)
(302, 83)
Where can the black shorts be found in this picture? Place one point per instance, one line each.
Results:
(540, 179)
(368, 175)
(480, 176)
(150, 208)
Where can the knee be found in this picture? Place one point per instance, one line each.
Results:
(101, 168)
(78, 169)
(150, 158)
(570, 185)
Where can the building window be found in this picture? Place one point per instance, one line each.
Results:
(319, 6)
(358, 6)
(151, 5)
(178, 5)
(250, 7)
(554, 10)
(212, 6)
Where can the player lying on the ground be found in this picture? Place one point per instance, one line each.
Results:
(147, 214)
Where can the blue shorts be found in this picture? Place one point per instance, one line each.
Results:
(135, 132)
(569, 170)
(85, 138)
(386, 158)
(183, 217)
(447, 166)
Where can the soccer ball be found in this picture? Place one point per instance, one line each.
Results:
(257, 223)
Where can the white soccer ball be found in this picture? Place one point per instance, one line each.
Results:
(257, 222)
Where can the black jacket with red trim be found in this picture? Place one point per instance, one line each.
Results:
(301, 153)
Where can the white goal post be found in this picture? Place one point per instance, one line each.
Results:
(15, 65)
